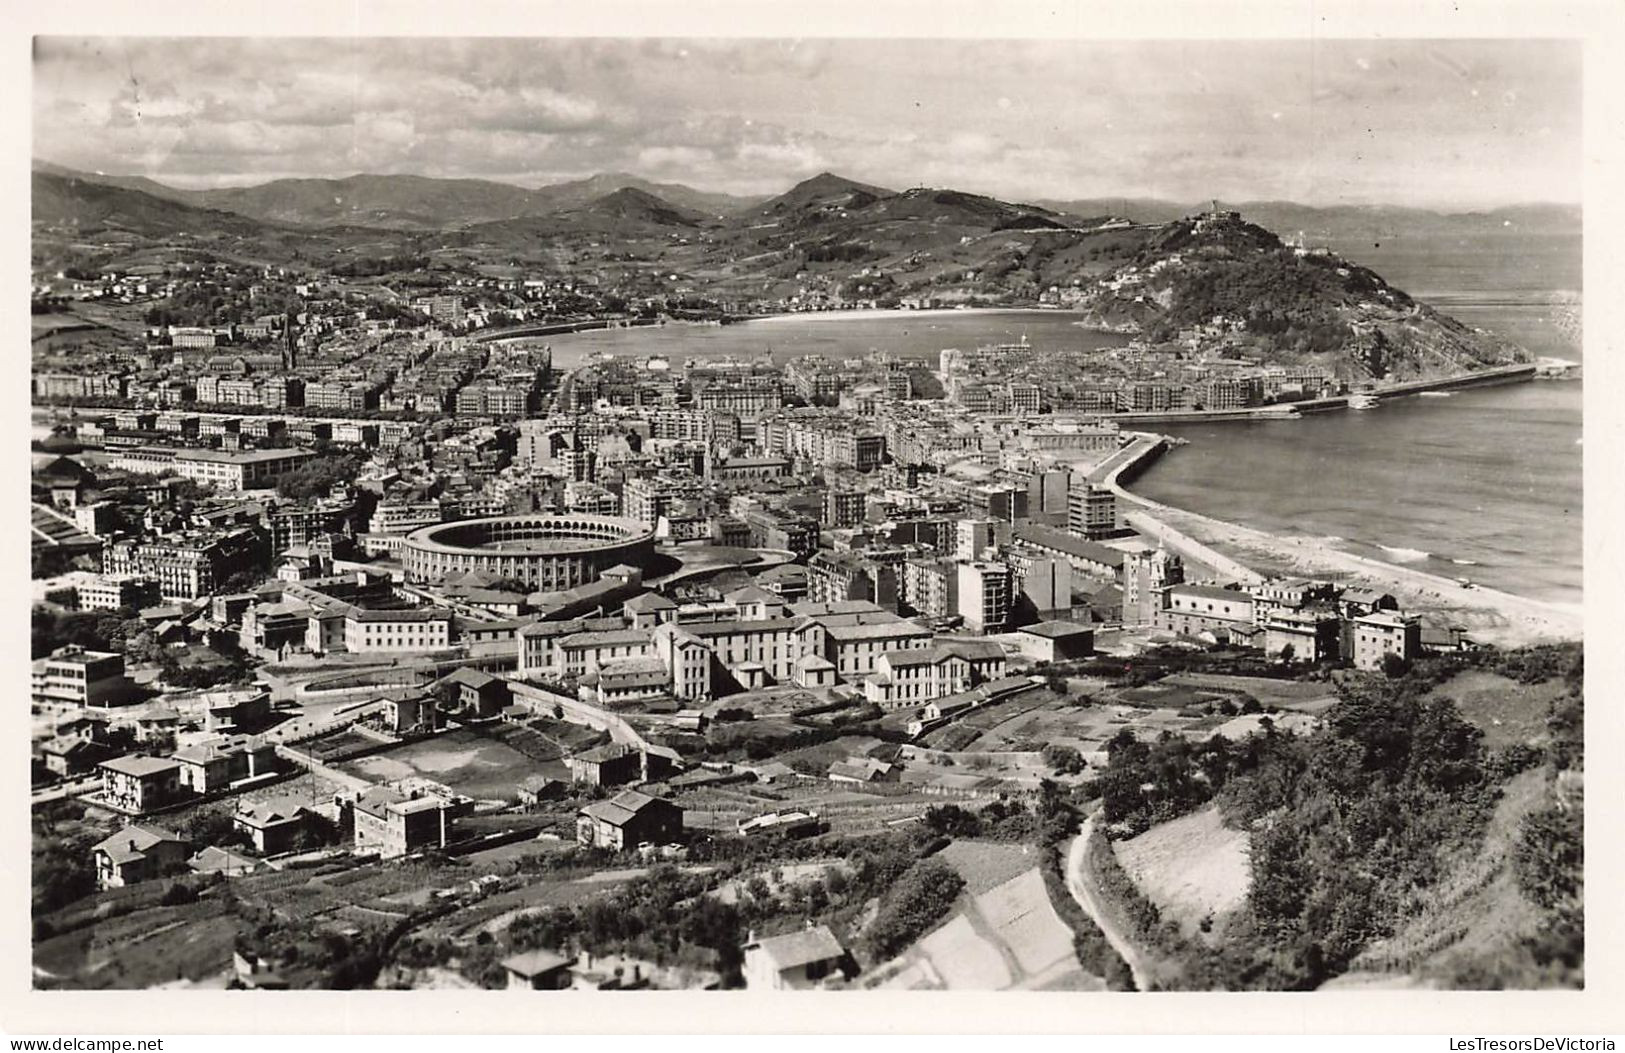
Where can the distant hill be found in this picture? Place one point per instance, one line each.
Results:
(639, 206)
(823, 192)
(560, 196)
(67, 201)
(405, 202)
(1240, 282)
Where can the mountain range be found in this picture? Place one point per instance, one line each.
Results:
(1140, 266)
(410, 202)
(405, 202)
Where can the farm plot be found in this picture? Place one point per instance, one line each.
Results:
(1056, 721)
(1007, 938)
(988, 864)
(482, 767)
(847, 811)
(1193, 868)
(1304, 696)
(192, 942)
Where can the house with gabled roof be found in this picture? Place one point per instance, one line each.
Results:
(478, 692)
(217, 860)
(272, 825)
(793, 961)
(137, 853)
(629, 819)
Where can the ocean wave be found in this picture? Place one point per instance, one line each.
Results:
(1404, 555)
(1464, 562)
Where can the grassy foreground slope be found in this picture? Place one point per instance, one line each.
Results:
(1398, 844)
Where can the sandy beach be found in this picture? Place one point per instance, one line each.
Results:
(896, 312)
(1488, 615)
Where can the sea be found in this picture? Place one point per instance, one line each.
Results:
(1482, 484)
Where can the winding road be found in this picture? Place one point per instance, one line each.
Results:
(1088, 897)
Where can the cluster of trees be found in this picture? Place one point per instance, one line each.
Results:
(1062, 759)
(62, 871)
(919, 899)
(1157, 662)
(1350, 826)
(373, 266)
(673, 917)
(837, 251)
(1004, 819)
(1145, 783)
(218, 667)
(217, 302)
(1549, 859)
(1287, 301)
(92, 630)
(659, 916)
(316, 476)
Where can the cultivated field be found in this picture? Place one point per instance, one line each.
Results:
(1007, 938)
(1304, 696)
(1192, 868)
(485, 768)
(190, 943)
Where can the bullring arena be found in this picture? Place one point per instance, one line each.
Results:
(547, 552)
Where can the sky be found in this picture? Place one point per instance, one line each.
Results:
(1443, 124)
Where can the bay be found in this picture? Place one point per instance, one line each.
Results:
(1484, 484)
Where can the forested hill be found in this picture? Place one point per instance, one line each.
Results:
(1238, 282)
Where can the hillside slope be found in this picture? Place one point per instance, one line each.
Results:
(1237, 281)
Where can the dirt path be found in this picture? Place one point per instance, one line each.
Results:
(1077, 883)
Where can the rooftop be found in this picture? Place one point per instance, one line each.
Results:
(1055, 630)
(795, 949)
(534, 963)
(140, 766)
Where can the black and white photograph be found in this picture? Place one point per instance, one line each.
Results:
(806, 512)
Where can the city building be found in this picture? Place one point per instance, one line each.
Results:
(1382, 633)
(74, 676)
(1091, 510)
(138, 784)
(1191, 610)
(984, 595)
(1145, 575)
(394, 823)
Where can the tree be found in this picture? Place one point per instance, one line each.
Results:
(1064, 760)
(213, 826)
(952, 820)
(316, 476)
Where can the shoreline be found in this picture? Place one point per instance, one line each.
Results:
(849, 313)
(1488, 615)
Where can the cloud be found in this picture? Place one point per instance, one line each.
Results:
(1017, 118)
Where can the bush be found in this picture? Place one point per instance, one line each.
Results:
(177, 893)
(1064, 760)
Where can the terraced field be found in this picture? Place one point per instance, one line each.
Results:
(1005, 936)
